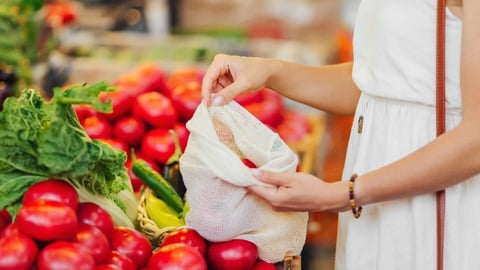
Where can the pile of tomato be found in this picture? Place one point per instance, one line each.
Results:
(53, 230)
(149, 101)
(184, 248)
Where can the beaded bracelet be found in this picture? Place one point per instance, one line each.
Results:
(357, 211)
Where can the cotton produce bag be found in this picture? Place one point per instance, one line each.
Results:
(215, 178)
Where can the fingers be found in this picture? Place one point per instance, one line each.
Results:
(272, 178)
(214, 78)
(227, 77)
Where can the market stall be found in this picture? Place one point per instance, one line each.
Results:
(95, 131)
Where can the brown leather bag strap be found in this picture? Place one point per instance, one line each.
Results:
(440, 119)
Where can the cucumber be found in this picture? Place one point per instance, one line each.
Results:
(155, 181)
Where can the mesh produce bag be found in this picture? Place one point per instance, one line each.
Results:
(215, 177)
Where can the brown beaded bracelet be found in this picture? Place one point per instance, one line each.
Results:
(357, 211)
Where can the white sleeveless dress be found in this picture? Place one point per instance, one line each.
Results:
(394, 66)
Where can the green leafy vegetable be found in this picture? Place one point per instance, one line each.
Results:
(41, 140)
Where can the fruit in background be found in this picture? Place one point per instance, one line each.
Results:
(130, 130)
(186, 98)
(187, 236)
(116, 143)
(270, 110)
(155, 109)
(83, 111)
(58, 14)
(146, 78)
(184, 75)
(153, 78)
(248, 98)
(122, 101)
(158, 144)
(52, 190)
(235, 254)
(97, 127)
(182, 134)
(177, 256)
(294, 127)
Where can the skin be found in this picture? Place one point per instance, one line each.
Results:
(331, 89)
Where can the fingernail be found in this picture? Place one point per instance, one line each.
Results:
(217, 100)
(256, 172)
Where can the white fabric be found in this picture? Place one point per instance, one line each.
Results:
(215, 177)
(395, 69)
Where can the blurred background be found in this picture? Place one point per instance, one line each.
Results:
(48, 44)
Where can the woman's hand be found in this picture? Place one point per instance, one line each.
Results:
(300, 192)
(228, 76)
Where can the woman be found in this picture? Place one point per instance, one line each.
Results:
(393, 148)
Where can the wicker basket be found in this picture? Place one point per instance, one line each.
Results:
(147, 226)
(308, 147)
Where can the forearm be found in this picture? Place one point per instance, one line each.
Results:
(328, 88)
(450, 159)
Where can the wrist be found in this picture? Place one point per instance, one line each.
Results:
(355, 207)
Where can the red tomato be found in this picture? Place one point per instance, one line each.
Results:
(177, 256)
(10, 229)
(47, 220)
(121, 100)
(235, 254)
(97, 127)
(155, 109)
(294, 127)
(64, 255)
(131, 243)
(248, 163)
(108, 267)
(93, 240)
(153, 78)
(122, 261)
(17, 252)
(187, 236)
(3, 223)
(245, 99)
(183, 76)
(186, 98)
(93, 214)
(83, 111)
(182, 134)
(158, 144)
(129, 129)
(4, 213)
(117, 144)
(263, 265)
(137, 182)
(52, 190)
(270, 110)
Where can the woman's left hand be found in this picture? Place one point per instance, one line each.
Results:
(296, 191)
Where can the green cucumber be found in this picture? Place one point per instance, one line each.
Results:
(155, 181)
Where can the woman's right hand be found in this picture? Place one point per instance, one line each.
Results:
(228, 76)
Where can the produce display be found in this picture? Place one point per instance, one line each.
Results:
(72, 169)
